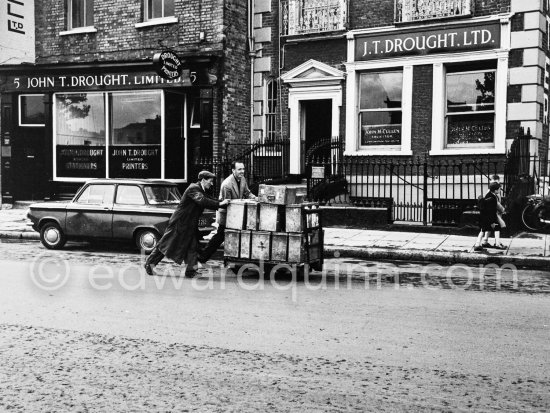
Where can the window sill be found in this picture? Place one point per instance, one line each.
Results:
(468, 151)
(157, 22)
(79, 30)
(386, 152)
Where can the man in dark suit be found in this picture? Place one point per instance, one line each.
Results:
(181, 239)
(233, 187)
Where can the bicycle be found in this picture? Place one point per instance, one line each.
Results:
(536, 213)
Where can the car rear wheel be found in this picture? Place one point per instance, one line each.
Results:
(51, 236)
(147, 240)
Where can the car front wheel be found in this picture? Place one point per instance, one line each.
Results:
(51, 236)
(147, 240)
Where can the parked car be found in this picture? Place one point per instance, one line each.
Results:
(111, 209)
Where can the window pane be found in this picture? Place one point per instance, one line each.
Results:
(381, 128)
(154, 9)
(475, 128)
(168, 8)
(467, 92)
(381, 90)
(129, 195)
(80, 135)
(135, 135)
(32, 110)
(97, 194)
(77, 13)
(89, 13)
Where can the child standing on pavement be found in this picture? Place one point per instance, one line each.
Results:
(500, 211)
(488, 217)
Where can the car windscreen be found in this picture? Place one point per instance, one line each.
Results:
(162, 194)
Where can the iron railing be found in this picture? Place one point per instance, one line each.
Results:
(263, 161)
(312, 16)
(417, 10)
(415, 190)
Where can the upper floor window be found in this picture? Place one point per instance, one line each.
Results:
(157, 9)
(271, 110)
(80, 13)
(312, 16)
(414, 10)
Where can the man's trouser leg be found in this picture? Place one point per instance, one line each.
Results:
(213, 244)
(155, 257)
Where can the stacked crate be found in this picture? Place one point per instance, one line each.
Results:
(280, 228)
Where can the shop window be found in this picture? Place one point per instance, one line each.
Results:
(380, 110)
(124, 141)
(157, 9)
(31, 110)
(271, 110)
(80, 135)
(80, 14)
(470, 109)
(135, 134)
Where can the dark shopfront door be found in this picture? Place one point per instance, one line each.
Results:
(30, 177)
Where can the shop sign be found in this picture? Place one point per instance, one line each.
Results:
(450, 39)
(17, 43)
(135, 161)
(381, 135)
(470, 131)
(167, 64)
(77, 161)
(104, 81)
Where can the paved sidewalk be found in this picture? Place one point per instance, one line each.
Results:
(525, 249)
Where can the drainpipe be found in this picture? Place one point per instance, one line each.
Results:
(252, 56)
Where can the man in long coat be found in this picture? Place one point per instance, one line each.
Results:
(233, 187)
(181, 238)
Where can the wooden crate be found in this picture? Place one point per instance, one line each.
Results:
(253, 216)
(281, 194)
(300, 251)
(246, 243)
(279, 246)
(232, 243)
(271, 217)
(300, 217)
(261, 245)
(236, 215)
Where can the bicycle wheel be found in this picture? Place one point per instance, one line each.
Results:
(530, 218)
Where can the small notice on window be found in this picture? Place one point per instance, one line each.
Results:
(131, 161)
(80, 161)
(381, 135)
(465, 131)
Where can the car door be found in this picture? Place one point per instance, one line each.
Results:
(91, 214)
(129, 211)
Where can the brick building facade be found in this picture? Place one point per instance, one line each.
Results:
(93, 105)
(403, 78)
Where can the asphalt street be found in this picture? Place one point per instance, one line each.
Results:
(85, 329)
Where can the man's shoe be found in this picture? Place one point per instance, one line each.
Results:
(478, 248)
(191, 274)
(148, 269)
(500, 247)
(486, 244)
